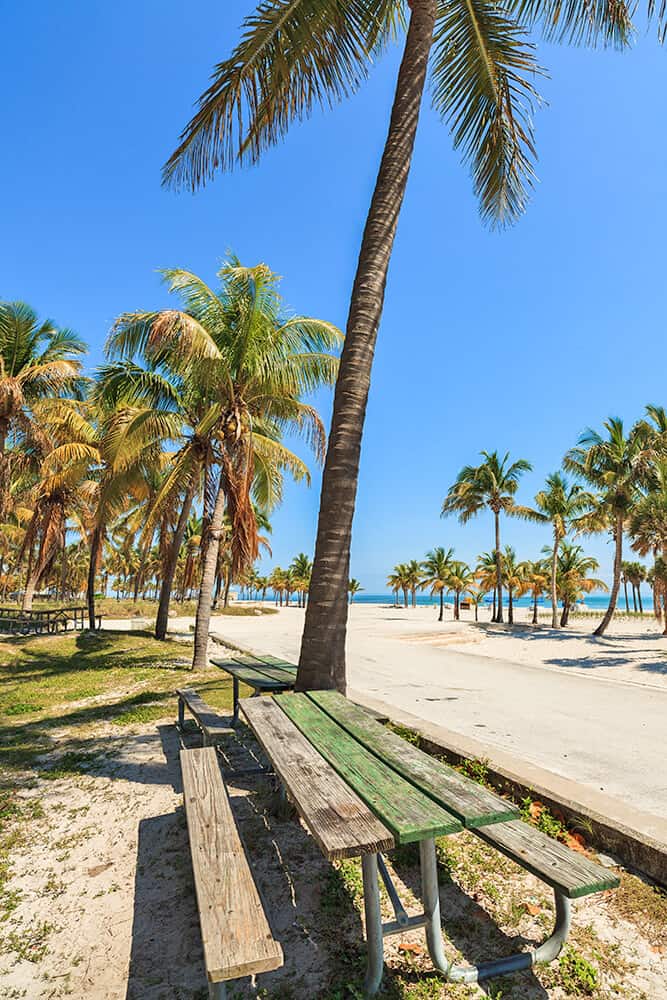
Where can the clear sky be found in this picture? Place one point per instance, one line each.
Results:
(513, 340)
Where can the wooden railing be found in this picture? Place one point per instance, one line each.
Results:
(44, 622)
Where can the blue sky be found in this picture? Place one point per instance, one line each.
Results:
(513, 340)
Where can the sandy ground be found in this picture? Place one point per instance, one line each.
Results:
(591, 710)
(108, 912)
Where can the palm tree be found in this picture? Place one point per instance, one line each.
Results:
(659, 584)
(615, 466)
(436, 569)
(460, 581)
(353, 588)
(491, 484)
(39, 363)
(292, 57)
(400, 579)
(247, 364)
(486, 574)
(113, 451)
(573, 577)
(413, 576)
(559, 504)
(302, 567)
(536, 576)
(514, 577)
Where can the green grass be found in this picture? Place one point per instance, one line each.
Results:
(109, 607)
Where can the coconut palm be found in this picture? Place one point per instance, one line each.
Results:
(615, 464)
(436, 570)
(39, 363)
(492, 484)
(460, 581)
(574, 581)
(536, 576)
(559, 504)
(354, 588)
(486, 575)
(514, 578)
(247, 364)
(293, 56)
(302, 567)
(400, 580)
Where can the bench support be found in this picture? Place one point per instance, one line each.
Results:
(376, 931)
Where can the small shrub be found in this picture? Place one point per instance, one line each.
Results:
(578, 976)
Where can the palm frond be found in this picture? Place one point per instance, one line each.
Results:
(294, 55)
(481, 66)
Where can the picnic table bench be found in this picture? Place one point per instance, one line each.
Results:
(235, 933)
(361, 790)
(213, 728)
(262, 672)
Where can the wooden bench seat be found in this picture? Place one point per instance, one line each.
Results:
(235, 932)
(568, 872)
(213, 726)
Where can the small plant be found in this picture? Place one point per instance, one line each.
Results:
(477, 769)
(578, 976)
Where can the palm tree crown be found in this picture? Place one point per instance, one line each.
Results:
(491, 484)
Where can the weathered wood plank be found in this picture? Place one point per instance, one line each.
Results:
(283, 675)
(407, 812)
(235, 932)
(276, 661)
(250, 676)
(563, 869)
(207, 718)
(342, 825)
(473, 804)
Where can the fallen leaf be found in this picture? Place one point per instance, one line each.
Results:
(536, 809)
(415, 949)
(658, 949)
(532, 909)
(98, 869)
(575, 842)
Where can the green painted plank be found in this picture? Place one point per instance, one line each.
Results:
(473, 804)
(251, 677)
(405, 811)
(553, 862)
(276, 661)
(287, 677)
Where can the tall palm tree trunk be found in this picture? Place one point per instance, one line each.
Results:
(535, 609)
(442, 605)
(616, 582)
(634, 597)
(554, 578)
(322, 659)
(639, 598)
(625, 588)
(510, 607)
(208, 573)
(169, 567)
(498, 617)
(95, 543)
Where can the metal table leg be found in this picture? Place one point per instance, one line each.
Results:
(498, 967)
(235, 715)
(374, 941)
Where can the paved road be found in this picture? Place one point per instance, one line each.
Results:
(607, 734)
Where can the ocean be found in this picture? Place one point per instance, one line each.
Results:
(594, 602)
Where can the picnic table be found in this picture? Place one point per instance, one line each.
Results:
(361, 790)
(262, 672)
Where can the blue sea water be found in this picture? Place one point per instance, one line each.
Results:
(594, 602)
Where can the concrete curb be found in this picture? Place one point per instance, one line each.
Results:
(637, 839)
